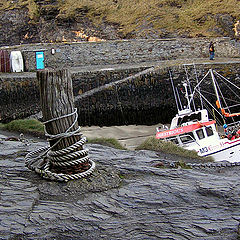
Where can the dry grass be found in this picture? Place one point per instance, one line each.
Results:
(193, 16)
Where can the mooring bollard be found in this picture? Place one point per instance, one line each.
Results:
(65, 159)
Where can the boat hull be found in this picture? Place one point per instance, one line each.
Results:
(228, 151)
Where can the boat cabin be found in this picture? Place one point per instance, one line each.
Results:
(190, 128)
(197, 136)
(187, 117)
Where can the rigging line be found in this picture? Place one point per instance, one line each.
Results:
(212, 94)
(224, 99)
(236, 105)
(179, 98)
(188, 81)
(226, 80)
(210, 104)
(209, 109)
(174, 93)
(231, 90)
(212, 111)
(195, 72)
(195, 89)
(221, 94)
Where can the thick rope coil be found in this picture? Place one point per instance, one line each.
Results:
(44, 158)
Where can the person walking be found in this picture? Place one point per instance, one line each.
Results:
(211, 51)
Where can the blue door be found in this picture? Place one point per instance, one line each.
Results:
(40, 60)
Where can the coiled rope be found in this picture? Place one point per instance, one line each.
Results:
(44, 159)
(207, 165)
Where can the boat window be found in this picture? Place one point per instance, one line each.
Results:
(192, 117)
(187, 138)
(173, 140)
(200, 134)
(209, 131)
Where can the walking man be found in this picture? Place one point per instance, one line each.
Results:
(211, 51)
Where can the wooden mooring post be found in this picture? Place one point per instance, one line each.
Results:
(56, 96)
(65, 159)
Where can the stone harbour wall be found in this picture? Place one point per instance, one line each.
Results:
(19, 97)
(113, 97)
(146, 99)
(59, 55)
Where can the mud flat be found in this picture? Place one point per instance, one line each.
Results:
(129, 136)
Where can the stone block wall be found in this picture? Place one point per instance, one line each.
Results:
(147, 99)
(72, 55)
(129, 97)
(19, 97)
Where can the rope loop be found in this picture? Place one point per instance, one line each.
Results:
(43, 159)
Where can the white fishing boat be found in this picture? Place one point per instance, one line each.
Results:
(193, 129)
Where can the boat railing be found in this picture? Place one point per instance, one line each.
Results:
(234, 124)
(162, 128)
(193, 121)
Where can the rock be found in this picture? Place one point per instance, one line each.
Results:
(127, 197)
(225, 24)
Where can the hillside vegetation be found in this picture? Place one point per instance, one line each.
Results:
(195, 17)
(139, 18)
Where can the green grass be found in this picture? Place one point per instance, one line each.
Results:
(168, 147)
(25, 126)
(195, 17)
(111, 142)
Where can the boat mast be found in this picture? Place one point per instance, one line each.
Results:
(190, 89)
(201, 100)
(179, 100)
(215, 88)
(187, 96)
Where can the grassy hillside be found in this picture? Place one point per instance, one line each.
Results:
(193, 17)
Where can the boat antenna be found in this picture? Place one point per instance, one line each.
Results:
(174, 91)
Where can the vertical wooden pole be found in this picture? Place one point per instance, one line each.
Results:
(56, 96)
